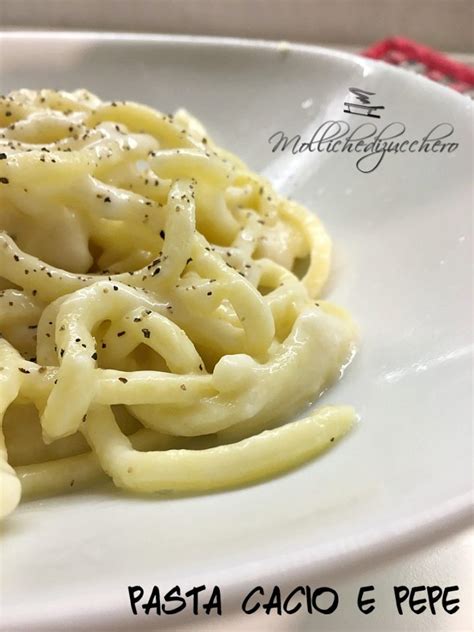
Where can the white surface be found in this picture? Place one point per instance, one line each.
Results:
(446, 563)
(403, 265)
(443, 24)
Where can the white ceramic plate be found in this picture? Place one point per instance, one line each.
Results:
(402, 266)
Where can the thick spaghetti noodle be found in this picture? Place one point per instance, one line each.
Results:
(153, 326)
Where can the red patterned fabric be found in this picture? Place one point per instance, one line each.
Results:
(421, 59)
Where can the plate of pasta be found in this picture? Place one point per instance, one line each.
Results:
(219, 363)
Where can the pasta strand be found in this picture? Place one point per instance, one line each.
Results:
(155, 325)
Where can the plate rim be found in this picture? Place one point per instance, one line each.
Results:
(281, 46)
